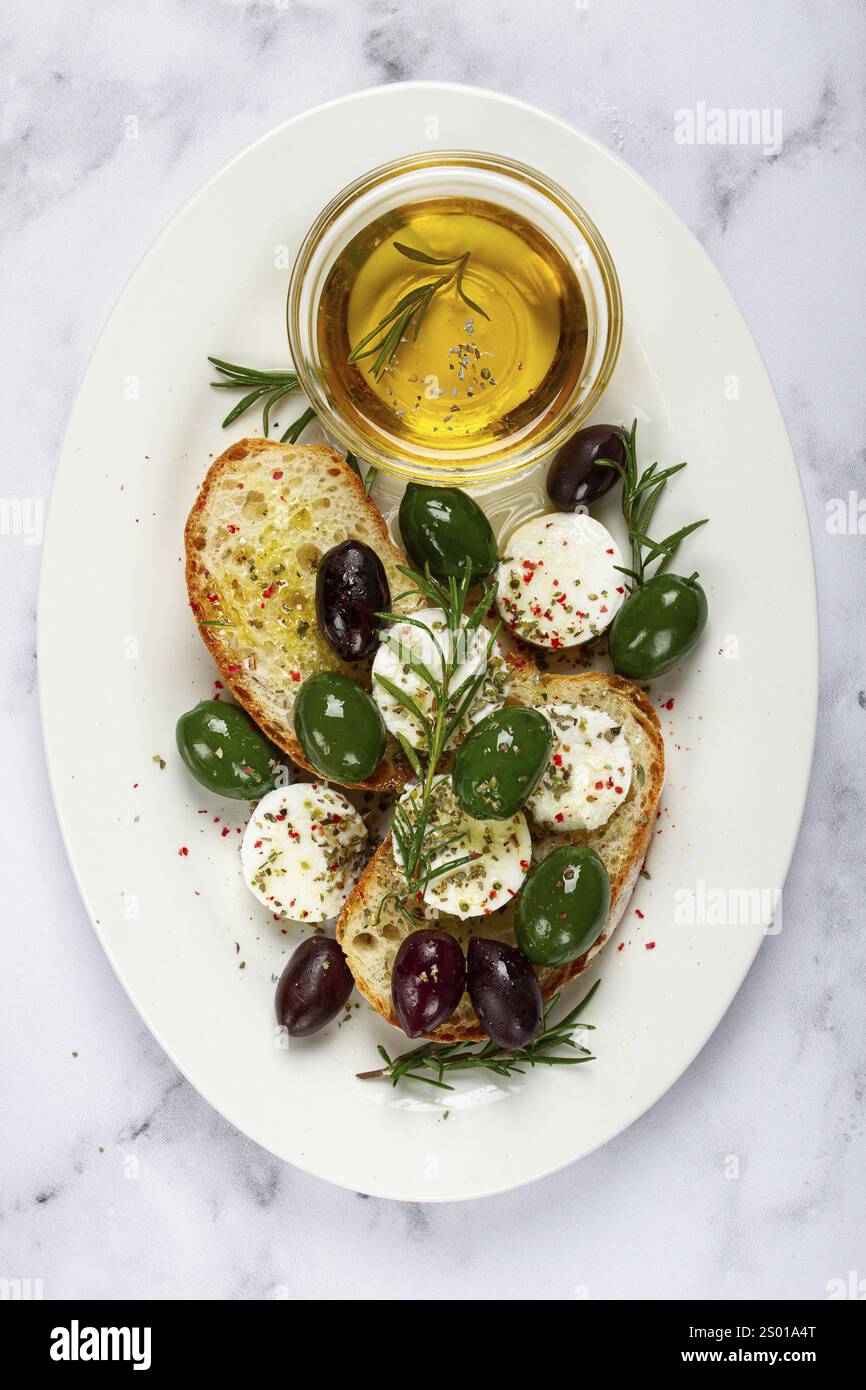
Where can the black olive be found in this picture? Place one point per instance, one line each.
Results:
(351, 588)
(505, 993)
(313, 988)
(575, 477)
(428, 978)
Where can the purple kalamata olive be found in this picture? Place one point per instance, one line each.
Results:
(313, 988)
(427, 980)
(575, 477)
(505, 993)
(351, 588)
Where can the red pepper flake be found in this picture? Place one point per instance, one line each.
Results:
(234, 667)
(650, 945)
(608, 552)
(603, 608)
(295, 675)
(278, 473)
(555, 643)
(217, 685)
(557, 760)
(524, 863)
(257, 845)
(183, 851)
(232, 529)
(224, 831)
(618, 791)
(639, 913)
(620, 946)
(269, 591)
(559, 816)
(213, 598)
(669, 704)
(620, 589)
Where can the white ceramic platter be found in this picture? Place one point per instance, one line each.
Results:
(120, 659)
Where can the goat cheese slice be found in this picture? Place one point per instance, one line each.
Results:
(558, 585)
(589, 773)
(404, 642)
(500, 854)
(303, 851)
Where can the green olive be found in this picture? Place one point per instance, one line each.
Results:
(225, 751)
(563, 906)
(657, 626)
(339, 727)
(442, 527)
(501, 762)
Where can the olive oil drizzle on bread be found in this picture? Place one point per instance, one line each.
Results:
(265, 514)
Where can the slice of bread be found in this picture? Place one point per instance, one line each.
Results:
(370, 939)
(265, 515)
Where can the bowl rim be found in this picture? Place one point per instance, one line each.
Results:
(438, 467)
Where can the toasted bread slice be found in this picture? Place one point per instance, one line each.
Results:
(265, 515)
(370, 938)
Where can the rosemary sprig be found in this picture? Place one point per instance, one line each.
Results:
(297, 427)
(408, 313)
(640, 497)
(368, 478)
(417, 844)
(256, 385)
(273, 386)
(439, 1058)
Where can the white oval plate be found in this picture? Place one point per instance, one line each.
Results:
(120, 659)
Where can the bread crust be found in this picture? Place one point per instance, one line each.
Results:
(529, 686)
(392, 773)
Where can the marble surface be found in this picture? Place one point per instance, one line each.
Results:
(746, 1179)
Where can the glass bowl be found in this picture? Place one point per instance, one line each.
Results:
(479, 177)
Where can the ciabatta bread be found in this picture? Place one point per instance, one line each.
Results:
(370, 937)
(265, 515)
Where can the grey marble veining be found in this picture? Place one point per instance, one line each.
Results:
(746, 1179)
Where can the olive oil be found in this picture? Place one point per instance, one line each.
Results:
(496, 350)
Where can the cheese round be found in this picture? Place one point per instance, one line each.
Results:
(558, 585)
(303, 851)
(500, 853)
(589, 773)
(403, 643)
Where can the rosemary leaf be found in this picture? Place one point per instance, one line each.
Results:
(296, 429)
